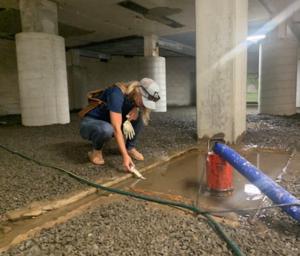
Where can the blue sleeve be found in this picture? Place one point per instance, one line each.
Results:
(115, 100)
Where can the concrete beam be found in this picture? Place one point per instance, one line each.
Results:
(94, 55)
(284, 11)
(177, 47)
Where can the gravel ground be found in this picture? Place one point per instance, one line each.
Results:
(62, 146)
(273, 232)
(130, 227)
(133, 227)
(113, 229)
(273, 132)
(22, 182)
(19, 184)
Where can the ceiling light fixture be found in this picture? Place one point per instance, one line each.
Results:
(256, 38)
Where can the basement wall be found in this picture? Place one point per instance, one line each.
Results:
(9, 90)
(101, 74)
(180, 75)
(91, 74)
(181, 81)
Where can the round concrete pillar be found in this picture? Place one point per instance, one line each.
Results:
(42, 79)
(155, 68)
(278, 77)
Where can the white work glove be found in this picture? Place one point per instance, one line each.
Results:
(128, 130)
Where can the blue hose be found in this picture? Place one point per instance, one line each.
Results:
(269, 187)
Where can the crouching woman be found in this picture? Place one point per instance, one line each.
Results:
(110, 109)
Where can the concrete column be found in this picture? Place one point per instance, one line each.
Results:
(278, 78)
(221, 31)
(298, 83)
(77, 78)
(151, 45)
(42, 79)
(155, 68)
(39, 16)
(41, 62)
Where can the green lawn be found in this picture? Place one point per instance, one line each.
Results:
(252, 79)
(251, 97)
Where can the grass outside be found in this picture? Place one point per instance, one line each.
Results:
(252, 80)
(252, 97)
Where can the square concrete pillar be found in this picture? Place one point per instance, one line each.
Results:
(39, 16)
(151, 46)
(298, 81)
(221, 32)
(77, 80)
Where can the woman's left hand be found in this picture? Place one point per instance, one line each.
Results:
(133, 114)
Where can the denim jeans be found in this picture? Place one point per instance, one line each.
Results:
(99, 132)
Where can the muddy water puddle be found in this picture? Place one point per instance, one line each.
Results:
(186, 177)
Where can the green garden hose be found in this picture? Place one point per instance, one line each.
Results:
(215, 226)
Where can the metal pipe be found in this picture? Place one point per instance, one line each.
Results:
(269, 187)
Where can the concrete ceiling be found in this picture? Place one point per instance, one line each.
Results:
(289, 9)
(257, 15)
(128, 46)
(109, 20)
(257, 12)
(103, 21)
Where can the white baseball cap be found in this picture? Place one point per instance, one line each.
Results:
(149, 90)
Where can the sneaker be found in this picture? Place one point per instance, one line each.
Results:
(96, 157)
(135, 154)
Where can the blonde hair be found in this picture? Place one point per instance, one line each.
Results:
(132, 89)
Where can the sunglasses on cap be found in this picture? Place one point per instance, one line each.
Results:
(155, 97)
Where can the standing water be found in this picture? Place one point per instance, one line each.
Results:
(186, 177)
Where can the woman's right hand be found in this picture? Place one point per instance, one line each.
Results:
(128, 163)
(116, 122)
